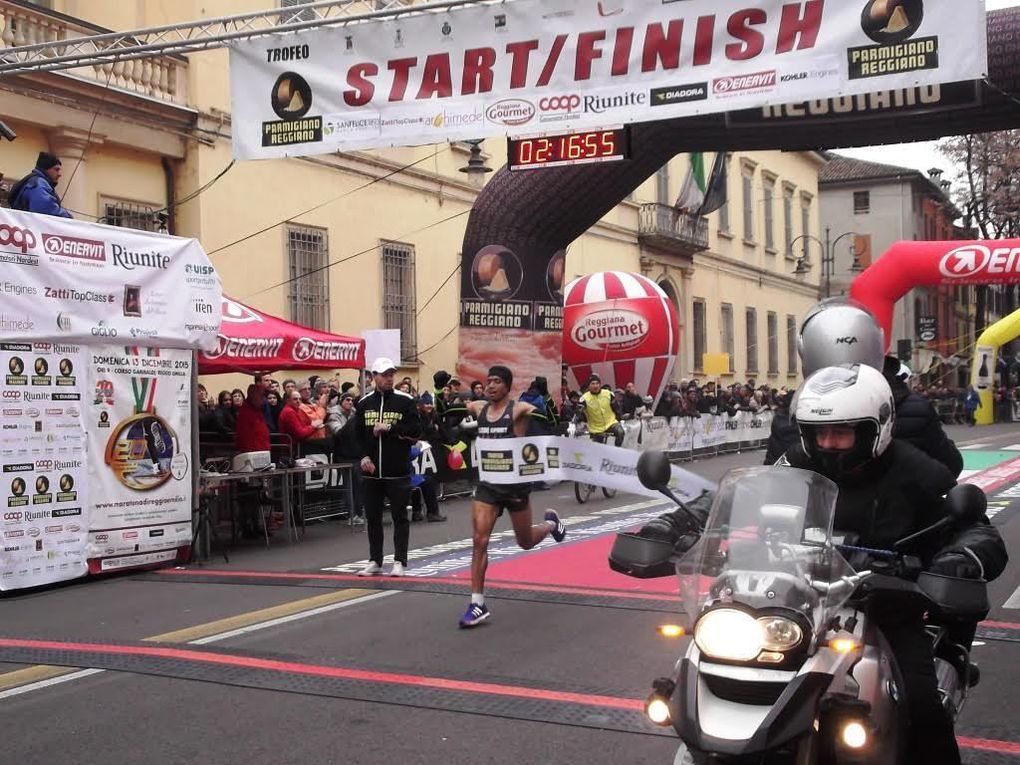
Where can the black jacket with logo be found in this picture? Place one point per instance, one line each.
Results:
(390, 451)
(917, 422)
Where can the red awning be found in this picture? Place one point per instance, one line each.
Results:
(252, 341)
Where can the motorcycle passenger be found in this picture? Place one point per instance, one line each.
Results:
(888, 489)
(842, 331)
(601, 411)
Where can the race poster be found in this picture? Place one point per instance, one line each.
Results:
(42, 450)
(534, 67)
(139, 427)
(511, 313)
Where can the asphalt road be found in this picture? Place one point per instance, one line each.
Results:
(279, 657)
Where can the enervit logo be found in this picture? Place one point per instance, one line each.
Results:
(306, 349)
(755, 81)
(560, 103)
(974, 259)
(511, 111)
(236, 313)
(73, 247)
(18, 237)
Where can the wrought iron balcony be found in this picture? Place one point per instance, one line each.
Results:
(662, 227)
(161, 77)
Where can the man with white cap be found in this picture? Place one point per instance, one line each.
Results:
(387, 425)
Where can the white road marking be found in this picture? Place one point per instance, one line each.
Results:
(1014, 600)
(204, 641)
(969, 447)
(1011, 448)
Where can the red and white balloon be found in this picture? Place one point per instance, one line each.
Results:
(622, 327)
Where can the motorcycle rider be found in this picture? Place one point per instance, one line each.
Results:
(841, 331)
(888, 489)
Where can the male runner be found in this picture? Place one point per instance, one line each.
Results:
(501, 417)
(601, 413)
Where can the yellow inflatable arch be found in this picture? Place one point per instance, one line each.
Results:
(986, 355)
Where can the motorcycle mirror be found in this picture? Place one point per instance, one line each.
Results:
(654, 470)
(966, 504)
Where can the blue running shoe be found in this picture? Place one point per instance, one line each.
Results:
(559, 530)
(475, 615)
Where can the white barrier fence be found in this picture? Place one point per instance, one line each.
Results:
(699, 436)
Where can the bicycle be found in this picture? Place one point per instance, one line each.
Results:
(583, 490)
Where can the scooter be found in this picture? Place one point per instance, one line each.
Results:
(785, 665)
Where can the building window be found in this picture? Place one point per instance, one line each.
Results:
(752, 340)
(788, 221)
(726, 330)
(662, 186)
(805, 225)
(747, 179)
(770, 236)
(724, 216)
(862, 202)
(137, 215)
(791, 344)
(773, 327)
(700, 333)
(399, 296)
(308, 254)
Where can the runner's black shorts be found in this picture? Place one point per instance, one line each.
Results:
(513, 498)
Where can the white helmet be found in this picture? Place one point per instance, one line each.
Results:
(840, 331)
(855, 395)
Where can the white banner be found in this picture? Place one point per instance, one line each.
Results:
(559, 66)
(710, 431)
(42, 449)
(139, 429)
(558, 458)
(92, 284)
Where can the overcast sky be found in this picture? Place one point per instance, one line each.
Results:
(923, 155)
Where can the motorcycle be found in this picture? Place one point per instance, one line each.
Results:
(785, 664)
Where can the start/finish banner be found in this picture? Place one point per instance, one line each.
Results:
(555, 66)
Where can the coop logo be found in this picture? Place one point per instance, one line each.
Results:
(43, 465)
(19, 238)
(74, 247)
(975, 259)
(511, 111)
(12, 395)
(723, 86)
(614, 330)
(569, 103)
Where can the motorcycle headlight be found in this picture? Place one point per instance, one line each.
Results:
(726, 633)
(780, 633)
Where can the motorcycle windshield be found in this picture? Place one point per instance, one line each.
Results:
(768, 545)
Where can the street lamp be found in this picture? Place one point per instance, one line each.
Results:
(476, 167)
(828, 248)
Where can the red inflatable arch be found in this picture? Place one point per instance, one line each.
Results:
(918, 264)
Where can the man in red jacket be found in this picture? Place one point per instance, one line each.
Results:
(301, 428)
(251, 432)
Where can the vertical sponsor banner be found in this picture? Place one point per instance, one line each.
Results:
(139, 431)
(42, 451)
(511, 313)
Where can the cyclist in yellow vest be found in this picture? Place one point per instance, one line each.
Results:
(600, 410)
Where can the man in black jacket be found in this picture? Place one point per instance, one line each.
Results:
(387, 425)
(916, 419)
(887, 491)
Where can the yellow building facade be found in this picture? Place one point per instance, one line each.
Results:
(371, 239)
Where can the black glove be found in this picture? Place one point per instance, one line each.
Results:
(956, 564)
(441, 378)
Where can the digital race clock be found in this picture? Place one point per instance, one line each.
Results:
(568, 149)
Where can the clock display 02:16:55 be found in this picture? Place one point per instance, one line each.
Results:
(567, 147)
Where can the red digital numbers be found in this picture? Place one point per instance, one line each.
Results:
(568, 149)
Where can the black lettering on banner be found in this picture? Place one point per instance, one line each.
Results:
(287, 132)
(552, 457)
(879, 60)
(497, 461)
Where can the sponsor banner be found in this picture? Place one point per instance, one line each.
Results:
(557, 458)
(92, 284)
(44, 514)
(711, 431)
(522, 67)
(139, 430)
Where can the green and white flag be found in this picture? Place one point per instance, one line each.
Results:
(692, 193)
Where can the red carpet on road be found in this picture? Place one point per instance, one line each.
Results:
(578, 564)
